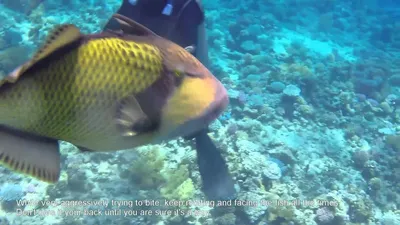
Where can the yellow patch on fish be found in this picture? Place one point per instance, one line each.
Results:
(190, 98)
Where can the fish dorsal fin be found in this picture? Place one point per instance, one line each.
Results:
(59, 37)
(131, 27)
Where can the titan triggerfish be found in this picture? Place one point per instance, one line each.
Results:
(108, 91)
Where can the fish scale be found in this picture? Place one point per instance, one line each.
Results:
(76, 79)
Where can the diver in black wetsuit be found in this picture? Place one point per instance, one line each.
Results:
(182, 21)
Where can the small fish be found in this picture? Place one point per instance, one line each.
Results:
(106, 92)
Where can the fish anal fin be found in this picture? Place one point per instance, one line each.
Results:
(131, 27)
(59, 37)
(130, 118)
(31, 155)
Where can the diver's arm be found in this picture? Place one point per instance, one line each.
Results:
(127, 9)
(202, 46)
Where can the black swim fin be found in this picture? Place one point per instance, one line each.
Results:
(217, 181)
(192, 136)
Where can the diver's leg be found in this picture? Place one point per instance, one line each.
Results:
(217, 181)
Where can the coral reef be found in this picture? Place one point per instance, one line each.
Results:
(179, 185)
(146, 169)
(9, 194)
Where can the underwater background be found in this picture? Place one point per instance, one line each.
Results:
(311, 134)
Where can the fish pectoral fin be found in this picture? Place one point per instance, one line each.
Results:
(131, 27)
(130, 118)
(59, 37)
(31, 155)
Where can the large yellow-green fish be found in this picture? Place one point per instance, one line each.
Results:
(106, 92)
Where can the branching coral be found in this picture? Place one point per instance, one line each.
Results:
(360, 211)
(306, 110)
(179, 186)
(295, 71)
(286, 212)
(148, 173)
(297, 49)
(394, 141)
(145, 171)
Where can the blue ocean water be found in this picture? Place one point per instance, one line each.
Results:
(311, 134)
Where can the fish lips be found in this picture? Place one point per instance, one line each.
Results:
(220, 103)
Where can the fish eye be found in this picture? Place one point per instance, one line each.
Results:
(178, 73)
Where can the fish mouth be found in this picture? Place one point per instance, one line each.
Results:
(218, 106)
(202, 109)
(213, 111)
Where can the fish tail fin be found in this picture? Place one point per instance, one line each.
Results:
(217, 181)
